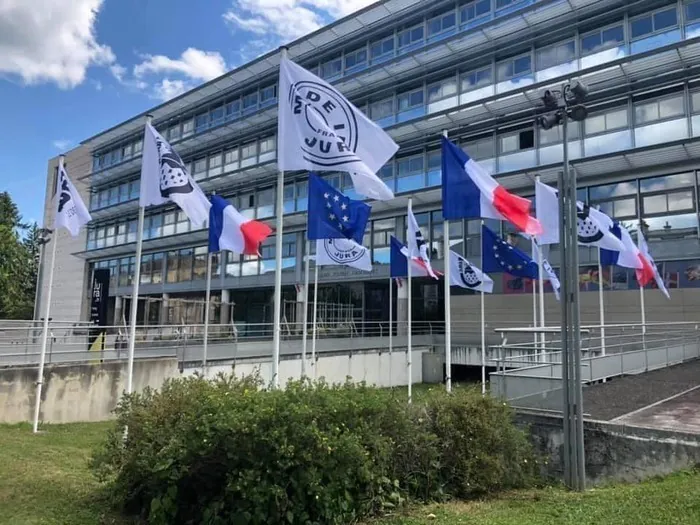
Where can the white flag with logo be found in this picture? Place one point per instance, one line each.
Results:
(343, 252)
(553, 279)
(71, 212)
(593, 225)
(320, 130)
(164, 178)
(417, 247)
(466, 275)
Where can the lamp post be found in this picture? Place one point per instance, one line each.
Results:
(560, 106)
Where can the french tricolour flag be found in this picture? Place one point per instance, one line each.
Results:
(229, 230)
(469, 192)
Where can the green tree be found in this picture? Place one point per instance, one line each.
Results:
(18, 262)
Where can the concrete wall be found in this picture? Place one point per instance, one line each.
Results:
(374, 368)
(70, 272)
(613, 451)
(81, 392)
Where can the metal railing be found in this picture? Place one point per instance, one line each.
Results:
(529, 375)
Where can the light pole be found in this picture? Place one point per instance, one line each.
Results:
(560, 106)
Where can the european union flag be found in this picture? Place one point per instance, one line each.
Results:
(332, 215)
(499, 256)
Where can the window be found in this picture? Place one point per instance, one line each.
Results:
(268, 95)
(410, 173)
(200, 168)
(386, 173)
(474, 10)
(155, 228)
(172, 263)
(183, 223)
(410, 38)
(199, 271)
(617, 200)
(443, 89)
(231, 159)
(555, 134)
(187, 128)
(651, 23)
(174, 132)
(249, 153)
(289, 206)
(126, 151)
(476, 79)
(668, 206)
(410, 104)
(146, 269)
(659, 109)
(332, 68)
(233, 109)
(184, 269)
(602, 39)
(157, 268)
(124, 274)
(355, 60)
(266, 203)
(514, 67)
(519, 141)
(442, 24)
(169, 224)
(215, 163)
(217, 116)
(480, 149)
(201, 122)
(382, 109)
(233, 265)
(692, 11)
(604, 122)
(382, 49)
(302, 195)
(250, 102)
(267, 149)
(555, 55)
(434, 168)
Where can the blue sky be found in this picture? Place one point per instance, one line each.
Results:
(72, 68)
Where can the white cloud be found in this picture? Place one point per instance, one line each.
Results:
(193, 63)
(50, 40)
(168, 89)
(288, 19)
(62, 144)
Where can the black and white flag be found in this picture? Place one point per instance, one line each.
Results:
(465, 275)
(320, 130)
(164, 178)
(343, 252)
(71, 212)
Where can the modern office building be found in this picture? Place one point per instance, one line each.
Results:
(474, 68)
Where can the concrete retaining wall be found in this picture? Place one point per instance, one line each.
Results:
(613, 451)
(80, 392)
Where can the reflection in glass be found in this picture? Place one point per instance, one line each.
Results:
(608, 143)
(661, 132)
(516, 161)
(656, 41)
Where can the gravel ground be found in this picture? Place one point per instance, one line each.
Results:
(606, 401)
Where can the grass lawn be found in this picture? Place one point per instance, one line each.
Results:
(45, 479)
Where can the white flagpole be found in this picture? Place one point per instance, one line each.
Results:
(206, 314)
(276, 325)
(483, 321)
(305, 315)
(601, 305)
(535, 322)
(47, 311)
(391, 327)
(135, 295)
(448, 302)
(313, 330)
(540, 284)
(409, 347)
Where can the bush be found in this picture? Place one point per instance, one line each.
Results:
(226, 451)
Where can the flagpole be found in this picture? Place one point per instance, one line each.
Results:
(483, 322)
(391, 327)
(206, 314)
(47, 311)
(448, 302)
(313, 330)
(305, 330)
(535, 323)
(540, 284)
(601, 305)
(409, 347)
(276, 325)
(135, 295)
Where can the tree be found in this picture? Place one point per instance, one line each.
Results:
(18, 262)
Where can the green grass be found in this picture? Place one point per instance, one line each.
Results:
(672, 500)
(45, 479)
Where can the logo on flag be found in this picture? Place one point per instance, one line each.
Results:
(71, 212)
(173, 174)
(589, 231)
(342, 251)
(467, 274)
(65, 197)
(326, 121)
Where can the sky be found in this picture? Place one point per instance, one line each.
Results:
(70, 69)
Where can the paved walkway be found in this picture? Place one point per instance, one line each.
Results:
(666, 398)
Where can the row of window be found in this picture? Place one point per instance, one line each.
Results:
(395, 43)
(667, 207)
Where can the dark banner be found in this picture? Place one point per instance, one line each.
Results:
(98, 308)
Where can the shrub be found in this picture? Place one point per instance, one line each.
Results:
(226, 451)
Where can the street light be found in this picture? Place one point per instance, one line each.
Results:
(560, 106)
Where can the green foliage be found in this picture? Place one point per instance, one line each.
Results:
(227, 451)
(18, 262)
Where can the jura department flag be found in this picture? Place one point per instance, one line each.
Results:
(465, 275)
(71, 212)
(320, 130)
(164, 178)
(343, 252)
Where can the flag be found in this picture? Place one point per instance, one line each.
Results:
(343, 252)
(399, 262)
(164, 178)
(649, 270)
(332, 215)
(630, 257)
(466, 275)
(71, 212)
(593, 225)
(469, 192)
(417, 247)
(552, 276)
(229, 230)
(499, 256)
(320, 130)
